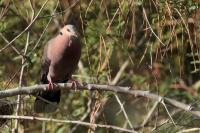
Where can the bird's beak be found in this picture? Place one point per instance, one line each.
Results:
(74, 34)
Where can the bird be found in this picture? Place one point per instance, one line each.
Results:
(60, 58)
(6, 108)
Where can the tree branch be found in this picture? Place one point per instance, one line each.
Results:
(118, 89)
(67, 122)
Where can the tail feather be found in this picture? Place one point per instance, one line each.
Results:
(47, 101)
(42, 106)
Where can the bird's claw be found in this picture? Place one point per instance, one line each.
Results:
(74, 84)
(51, 86)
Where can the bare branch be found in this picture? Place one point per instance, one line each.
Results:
(119, 89)
(66, 122)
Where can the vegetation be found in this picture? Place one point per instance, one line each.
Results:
(148, 45)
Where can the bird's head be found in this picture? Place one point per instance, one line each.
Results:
(69, 30)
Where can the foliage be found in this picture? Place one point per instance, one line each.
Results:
(162, 50)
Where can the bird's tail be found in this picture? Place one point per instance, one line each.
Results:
(47, 101)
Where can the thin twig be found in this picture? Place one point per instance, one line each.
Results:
(115, 80)
(61, 12)
(190, 39)
(84, 116)
(163, 103)
(189, 130)
(5, 47)
(33, 11)
(123, 110)
(108, 28)
(88, 7)
(66, 122)
(14, 48)
(45, 29)
(118, 75)
(145, 16)
(20, 83)
(149, 114)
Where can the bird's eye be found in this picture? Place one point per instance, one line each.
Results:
(68, 30)
(60, 33)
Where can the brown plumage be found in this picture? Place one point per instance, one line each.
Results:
(60, 59)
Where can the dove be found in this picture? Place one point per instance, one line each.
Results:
(60, 59)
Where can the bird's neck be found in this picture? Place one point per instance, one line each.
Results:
(64, 42)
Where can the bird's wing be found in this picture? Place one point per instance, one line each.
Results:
(45, 65)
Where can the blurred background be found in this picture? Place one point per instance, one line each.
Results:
(148, 45)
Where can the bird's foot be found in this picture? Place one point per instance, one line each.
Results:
(74, 83)
(51, 86)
